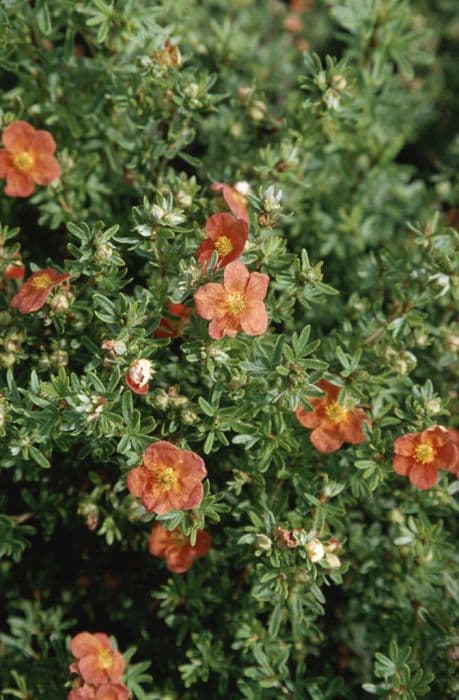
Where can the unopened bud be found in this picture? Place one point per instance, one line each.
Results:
(257, 111)
(59, 302)
(315, 550)
(333, 561)
(264, 543)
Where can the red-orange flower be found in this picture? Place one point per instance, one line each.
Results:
(173, 327)
(419, 456)
(236, 201)
(168, 479)
(27, 159)
(15, 270)
(138, 376)
(96, 661)
(36, 289)
(227, 236)
(176, 549)
(333, 424)
(235, 305)
(107, 691)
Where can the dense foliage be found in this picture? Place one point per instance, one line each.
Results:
(329, 575)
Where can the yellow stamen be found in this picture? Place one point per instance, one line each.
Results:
(23, 161)
(167, 478)
(335, 412)
(223, 246)
(105, 658)
(424, 453)
(42, 281)
(236, 304)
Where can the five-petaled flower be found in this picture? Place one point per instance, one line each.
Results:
(27, 159)
(173, 327)
(227, 236)
(107, 691)
(333, 424)
(236, 201)
(235, 305)
(36, 289)
(96, 660)
(419, 456)
(168, 478)
(176, 548)
(138, 376)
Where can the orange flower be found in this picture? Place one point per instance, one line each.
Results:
(227, 236)
(35, 291)
(175, 547)
(107, 691)
(173, 327)
(236, 201)
(15, 270)
(332, 423)
(235, 305)
(138, 376)
(96, 661)
(419, 456)
(168, 479)
(27, 159)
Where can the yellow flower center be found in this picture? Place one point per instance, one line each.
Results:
(424, 453)
(42, 281)
(167, 478)
(236, 304)
(23, 161)
(223, 246)
(105, 658)
(240, 199)
(335, 412)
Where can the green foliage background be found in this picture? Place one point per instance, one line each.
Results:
(360, 135)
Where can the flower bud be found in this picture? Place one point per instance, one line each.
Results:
(315, 550)
(161, 400)
(258, 111)
(184, 199)
(333, 561)
(59, 302)
(138, 376)
(264, 543)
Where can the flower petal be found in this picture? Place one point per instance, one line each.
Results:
(224, 325)
(236, 277)
(18, 184)
(326, 439)
(18, 136)
(405, 444)
(83, 644)
(254, 320)
(351, 427)
(218, 224)
(308, 419)
(45, 169)
(43, 143)
(423, 476)
(402, 465)
(210, 300)
(137, 480)
(257, 286)
(6, 162)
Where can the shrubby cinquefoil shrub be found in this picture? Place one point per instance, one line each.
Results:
(229, 337)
